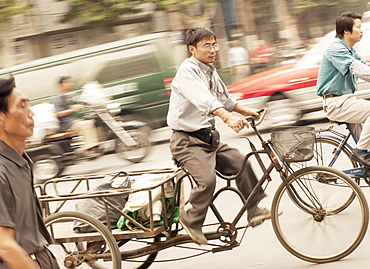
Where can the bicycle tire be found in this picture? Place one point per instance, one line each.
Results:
(87, 247)
(313, 231)
(324, 154)
(325, 150)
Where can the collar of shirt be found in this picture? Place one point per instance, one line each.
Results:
(208, 69)
(345, 44)
(8, 153)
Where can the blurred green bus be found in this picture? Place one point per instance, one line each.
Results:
(135, 72)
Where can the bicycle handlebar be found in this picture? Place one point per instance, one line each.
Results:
(253, 122)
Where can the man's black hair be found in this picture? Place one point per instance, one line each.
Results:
(63, 78)
(194, 35)
(345, 22)
(7, 84)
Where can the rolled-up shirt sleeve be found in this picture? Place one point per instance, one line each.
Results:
(341, 59)
(224, 97)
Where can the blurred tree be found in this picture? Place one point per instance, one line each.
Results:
(105, 13)
(309, 14)
(299, 6)
(9, 8)
(321, 13)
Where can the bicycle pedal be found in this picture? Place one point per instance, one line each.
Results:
(226, 247)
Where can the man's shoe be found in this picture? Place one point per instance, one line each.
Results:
(196, 235)
(363, 159)
(257, 216)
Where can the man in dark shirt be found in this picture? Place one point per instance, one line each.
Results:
(23, 235)
(69, 122)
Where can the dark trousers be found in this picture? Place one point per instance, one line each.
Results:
(201, 160)
(45, 259)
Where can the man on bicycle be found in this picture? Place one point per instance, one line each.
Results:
(340, 68)
(198, 95)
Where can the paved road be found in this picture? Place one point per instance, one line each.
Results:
(260, 247)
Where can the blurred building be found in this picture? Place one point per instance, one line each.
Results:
(41, 34)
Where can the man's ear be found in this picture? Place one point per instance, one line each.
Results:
(191, 49)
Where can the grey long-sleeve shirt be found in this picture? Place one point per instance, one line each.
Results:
(197, 90)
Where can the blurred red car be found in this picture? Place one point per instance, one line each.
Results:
(289, 92)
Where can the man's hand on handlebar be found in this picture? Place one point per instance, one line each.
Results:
(247, 111)
(255, 113)
(237, 123)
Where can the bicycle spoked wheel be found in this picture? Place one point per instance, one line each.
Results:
(326, 153)
(309, 227)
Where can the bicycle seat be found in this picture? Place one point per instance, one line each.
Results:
(58, 136)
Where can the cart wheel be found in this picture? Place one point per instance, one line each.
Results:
(94, 249)
(142, 262)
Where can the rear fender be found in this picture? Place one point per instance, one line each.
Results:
(336, 138)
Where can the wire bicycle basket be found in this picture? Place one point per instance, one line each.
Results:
(293, 144)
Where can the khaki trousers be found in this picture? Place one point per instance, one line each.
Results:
(87, 129)
(349, 108)
(201, 160)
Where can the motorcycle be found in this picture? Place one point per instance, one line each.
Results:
(129, 139)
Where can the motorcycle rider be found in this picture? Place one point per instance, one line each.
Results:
(69, 122)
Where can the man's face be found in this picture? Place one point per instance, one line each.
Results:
(67, 85)
(202, 53)
(18, 122)
(357, 32)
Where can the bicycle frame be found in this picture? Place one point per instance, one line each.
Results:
(342, 139)
(274, 165)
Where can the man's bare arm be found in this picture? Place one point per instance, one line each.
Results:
(12, 253)
(234, 122)
(68, 111)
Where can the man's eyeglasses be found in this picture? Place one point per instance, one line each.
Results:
(209, 47)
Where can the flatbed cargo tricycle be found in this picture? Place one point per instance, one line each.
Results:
(319, 214)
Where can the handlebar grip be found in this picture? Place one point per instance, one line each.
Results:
(251, 119)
